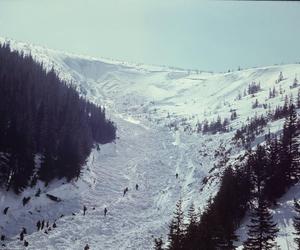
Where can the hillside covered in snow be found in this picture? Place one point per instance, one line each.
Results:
(161, 145)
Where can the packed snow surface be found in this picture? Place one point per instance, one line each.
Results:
(156, 110)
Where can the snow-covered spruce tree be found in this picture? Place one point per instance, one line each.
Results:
(253, 88)
(233, 115)
(192, 228)
(290, 148)
(177, 228)
(193, 219)
(295, 82)
(262, 231)
(258, 162)
(280, 77)
(298, 99)
(225, 215)
(273, 190)
(272, 92)
(255, 104)
(296, 223)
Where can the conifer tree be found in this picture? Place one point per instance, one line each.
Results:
(290, 148)
(274, 92)
(225, 212)
(280, 77)
(258, 162)
(192, 216)
(295, 82)
(176, 227)
(192, 228)
(286, 105)
(233, 115)
(298, 99)
(270, 94)
(262, 231)
(274, 179)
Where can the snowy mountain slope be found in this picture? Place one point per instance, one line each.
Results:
(143, 101)
(132, 219)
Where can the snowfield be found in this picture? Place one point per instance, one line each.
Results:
(156, 110)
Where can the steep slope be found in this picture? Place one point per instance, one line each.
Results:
(156, 110)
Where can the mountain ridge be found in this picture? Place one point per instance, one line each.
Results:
(165, 107)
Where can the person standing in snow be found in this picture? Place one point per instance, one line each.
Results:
(5, 210)
(26, 243)
(21, 236)
(176, 175)
(87, 247)
(136, 187)
(43, 224)
(125, 191)
(38, 225)
(105, 211)
(84, 210)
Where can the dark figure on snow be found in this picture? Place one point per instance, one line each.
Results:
(43, 224)
(24, 231)
(2, 237)
(26, 243)
(176, 175)
(5, 210)
(84, 210)
(87, 247)
(38, 225)
(136, 187)
(125, 191)
(54, 225)
(21, 236)
(105, 211)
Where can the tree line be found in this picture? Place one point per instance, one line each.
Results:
(262, 176)
(46, 129)
(248, 132)
(214, 127)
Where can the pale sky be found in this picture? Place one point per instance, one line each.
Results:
(192, 34)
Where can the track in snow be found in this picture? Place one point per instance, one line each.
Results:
(147, 157)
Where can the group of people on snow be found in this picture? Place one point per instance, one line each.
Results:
(126, 189)
(45, 225)
(41, 225)
(22, 237)
(105, 209)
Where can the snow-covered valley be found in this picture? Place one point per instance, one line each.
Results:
(131, 220)
(156, 110)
